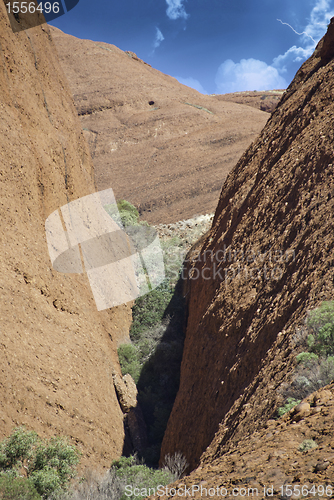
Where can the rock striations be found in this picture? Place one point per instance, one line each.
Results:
(57, 353)
(267, 259)
(265, 100)
(162, 146)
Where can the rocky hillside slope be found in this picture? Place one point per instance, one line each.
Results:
(265, 101)
(160, 145)
(267, 259)
(284, 456)
(57, 353)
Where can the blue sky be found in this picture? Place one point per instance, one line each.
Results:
(215, 46)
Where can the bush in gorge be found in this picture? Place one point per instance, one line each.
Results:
(47, 466)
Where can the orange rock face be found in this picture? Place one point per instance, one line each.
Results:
(57, 353)
(162, 146)
(265, 101)
(267, 259)
(283, 456)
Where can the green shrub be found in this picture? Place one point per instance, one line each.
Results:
(16, 449)
(315, 367)
(307, 358)
(138, 475)
(149, 309)
(128, 219)
(128, 359)
(123, 213)
(46, 481)
(126, 206)
(53, 464)
(49, 465)
(17, 488)
(307, 444)
(321, 323)
(290, 403)
(128, 213)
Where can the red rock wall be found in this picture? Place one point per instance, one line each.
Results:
(275, 213)
(164, 157)
(57, 353)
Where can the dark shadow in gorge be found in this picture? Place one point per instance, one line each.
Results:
(160, 377)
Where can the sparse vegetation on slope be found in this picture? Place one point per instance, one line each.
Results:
(289, 404)
(32, 468)
(320, 323)
(307, 444)
(127, 478)
(315, 367)
(153, 358)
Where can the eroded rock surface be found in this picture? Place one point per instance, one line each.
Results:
(267, 259)
(265, 101)
(57, 353)
(284, 456)
(162, 146)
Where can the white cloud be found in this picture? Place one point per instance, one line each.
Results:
(158, 38)
(292, 55)
(248, 74)
(175, 9)
(314, 30)
(320, 16)
(252, 74)
(193, 83)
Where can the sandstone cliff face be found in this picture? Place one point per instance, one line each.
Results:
(275, 215)
(160, 145)
(284, 456)
(265, 101)
(57, 353)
